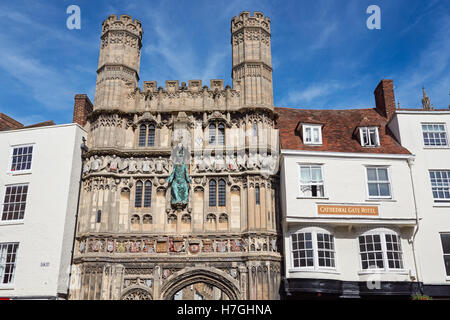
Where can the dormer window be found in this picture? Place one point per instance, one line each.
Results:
(369, 136)
(312, 134)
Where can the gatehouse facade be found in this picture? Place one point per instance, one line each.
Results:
(211, 228)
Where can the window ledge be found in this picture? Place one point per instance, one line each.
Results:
(312, 198)
(18, 173)
(383, 271)
(436, 147)
(313, 271)
(11, 222)
(441, 204)
(381, 200)
(6, 286)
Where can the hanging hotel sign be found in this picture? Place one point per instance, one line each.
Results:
(347, 210)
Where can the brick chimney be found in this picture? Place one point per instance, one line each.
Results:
(82, 108)
(384, 98)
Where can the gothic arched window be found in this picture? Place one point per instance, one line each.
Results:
(138, 195)
(151, 136)
(221, 134)
(212, 193)
(257, 195)
(148, 194)
(142, 134)
(255, 129)
(222, 193)
(212, 133)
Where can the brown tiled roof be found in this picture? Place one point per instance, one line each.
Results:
(8, 123)
(338, 130)
(41, 124)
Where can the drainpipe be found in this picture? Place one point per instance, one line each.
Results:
(416, 228)
(84, 149)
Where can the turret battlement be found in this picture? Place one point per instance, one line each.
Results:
(193, 86)
(245, 19)
(122, 23)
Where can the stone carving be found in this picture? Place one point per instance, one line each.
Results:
(137, 294)
(147, 165)
(82, 246)
(148, 246)
(219, 163)
(176, 245)
(222, 246)
(114, 164)
(161, 165)
(207, 245)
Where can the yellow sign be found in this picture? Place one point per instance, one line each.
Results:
(348, 210)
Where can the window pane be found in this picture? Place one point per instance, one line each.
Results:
(142, 133)
(212, 193)
(151, 136)
(305, 173)
(222, 193)
(212, 133)
(382, 174)
(373, 190)
(148, 194)
(138, 195)
(384, 189)
(445, 239)
(372, 174)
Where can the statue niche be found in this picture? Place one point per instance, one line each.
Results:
(179, 179)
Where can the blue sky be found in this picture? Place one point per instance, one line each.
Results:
(323, 54)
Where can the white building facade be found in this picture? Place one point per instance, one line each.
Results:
(40, 170)
(425, 134)
(348, 210)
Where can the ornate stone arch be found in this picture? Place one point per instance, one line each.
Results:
(136, 292)
(209, 275)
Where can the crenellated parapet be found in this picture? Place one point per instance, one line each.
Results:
(122, 23)
(191, 97)
(245, 19)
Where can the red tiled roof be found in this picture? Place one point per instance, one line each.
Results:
(338, 130)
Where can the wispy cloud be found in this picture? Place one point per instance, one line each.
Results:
(307, 95)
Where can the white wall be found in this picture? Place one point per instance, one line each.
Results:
(46, 233)
(434, 218)
(346, 184)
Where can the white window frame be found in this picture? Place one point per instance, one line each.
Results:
(446, 135)
(439, 200)
(367, 131)
(315, 268)
(300, 165)
(2, 202)
(388, 170)
(10, 285)
(27, 171)
(382, 232)
(312, 127)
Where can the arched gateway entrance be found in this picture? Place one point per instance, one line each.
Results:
(205, 283)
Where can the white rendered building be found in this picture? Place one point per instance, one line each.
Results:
(425, 133)
(40, 170)
(347, 203)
